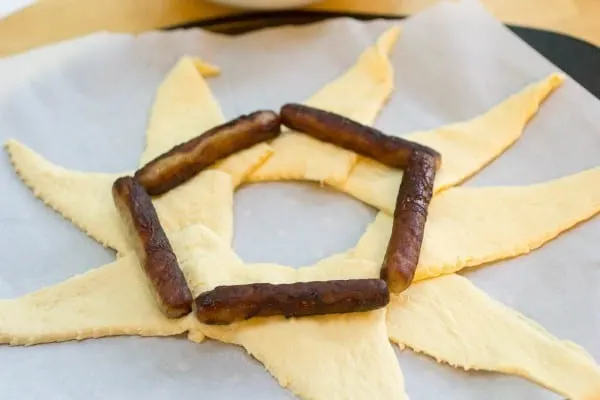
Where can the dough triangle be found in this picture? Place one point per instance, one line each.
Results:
(113, 300)
(207, 199)
(305, 354)
(86, 199)
(467, 227)
(451, 320)
(183, 108)
(242, 163)
(466, 147)
(358, 94)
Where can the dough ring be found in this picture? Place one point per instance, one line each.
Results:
(346, 356)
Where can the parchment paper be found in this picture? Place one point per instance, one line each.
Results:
(89, 112)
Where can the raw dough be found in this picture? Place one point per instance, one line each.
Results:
(332, 357)
(108, 301)
(86, 199)
(466, 147)
(116, 299)
(358, 94)
(302, 354)
(242, 163)
(462, 230)
(451, 320)
(112, 300)
(206, 199)
(230, 269)
(183, 107)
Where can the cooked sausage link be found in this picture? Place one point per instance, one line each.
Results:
(404, 248)
(227, 304)
(152, 248)
(185, 160)
(361, 139)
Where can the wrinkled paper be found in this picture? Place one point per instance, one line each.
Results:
(84, 104)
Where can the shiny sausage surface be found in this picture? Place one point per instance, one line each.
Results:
(152, 247)
(227, 304)
(369, 142)
(185, 160)
(410, 215)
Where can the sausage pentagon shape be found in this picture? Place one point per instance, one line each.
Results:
(228, 304)
(152, 247)
(410, 215)
(346, 133)
(187, 159)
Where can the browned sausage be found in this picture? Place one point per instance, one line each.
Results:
(364, 140)
(152, 247)
(410, 215)
(185, 160)
(227, 304)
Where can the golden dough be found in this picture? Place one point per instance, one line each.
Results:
(331, 357)
(206, 199)
(358, 341)
(86, 199)
(358, 94)
(453, 321)
(337, 356)
(242, 163)
(466, 147)
(112, 300)
(300, 352)
(116, 299)
(108, 301)
(183, 107)
(467, 227)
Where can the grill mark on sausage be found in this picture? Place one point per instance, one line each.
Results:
(228, 304)
(343, 132)
(410, 215)
(152, 247)
(187, 159)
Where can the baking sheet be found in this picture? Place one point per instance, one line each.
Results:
(452, 62)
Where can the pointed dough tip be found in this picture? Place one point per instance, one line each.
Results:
(205, 68)
(27, 165)
(546, 86)
(387, 39)
(10, 143)
(19, 155)
(560, 76)
(475, 332)
(557, 78)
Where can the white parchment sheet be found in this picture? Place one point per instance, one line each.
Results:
(452, 62)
